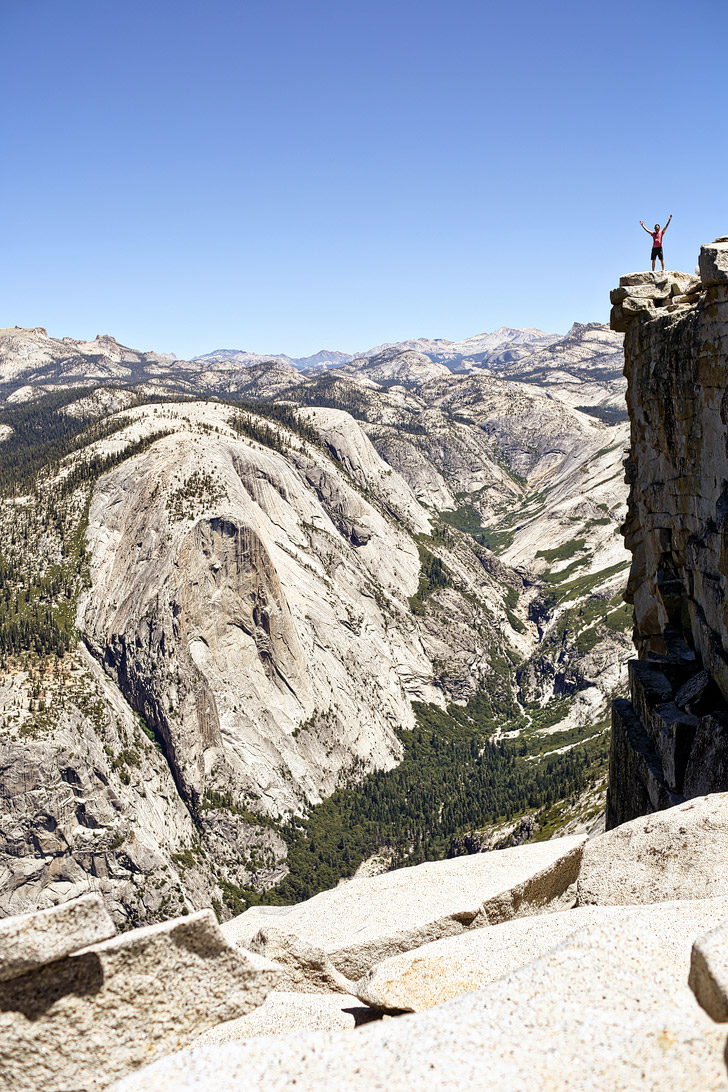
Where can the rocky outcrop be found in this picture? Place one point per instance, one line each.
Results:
(583, 999)
(83, 1017)
(591, 999)
(444, 969)
(670, 742)
(241, 599)
(90, 804)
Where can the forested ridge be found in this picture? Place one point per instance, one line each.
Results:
(44, 518)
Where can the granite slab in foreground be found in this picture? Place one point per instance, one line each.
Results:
(600, 1013)
(81, 1022)
(366, 920)
(30, 941)
(438, 972)
(678, 853)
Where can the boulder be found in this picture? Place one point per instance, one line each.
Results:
(600, 1012)
(633, 280)
(303, 967)
(639, 294)
(709, 972)
(239, 931)
(713, 263)
(679, 853)
(636, 305)
(32, 940)
(290, 1013)
(365, 920)
(639, 291)
(437, 972)
(86, 1020)
(693, 690)
(648, 685)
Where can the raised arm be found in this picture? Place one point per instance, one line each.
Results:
(644, 228)
(667, 224)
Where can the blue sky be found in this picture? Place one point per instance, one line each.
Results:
(297, 174)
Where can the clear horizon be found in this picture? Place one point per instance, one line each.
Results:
(273, 352)
(282, 178)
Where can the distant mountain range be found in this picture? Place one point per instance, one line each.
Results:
(321, 360)
(504, 346)
(582, 368)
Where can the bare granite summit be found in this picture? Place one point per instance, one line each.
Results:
(437, 972)
(601, 1012)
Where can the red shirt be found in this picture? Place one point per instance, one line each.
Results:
(657, 237)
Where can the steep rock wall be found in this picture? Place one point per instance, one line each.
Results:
(233, 598)
(670, 742)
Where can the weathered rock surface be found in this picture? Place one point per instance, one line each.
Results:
(304, 967)
(90, 805)
(88, 1019)
(641, 295)
(240, 930)
(680, 853)
(713, 262)
(289, 1013)
(709, 972)
(640, 787)
(708, 762)
(352, 447)
(253, 641)
(676, 363)
(601, 1012)
(32, 940)
(362, 922)
(437, 972)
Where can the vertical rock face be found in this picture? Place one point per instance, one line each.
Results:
(236, 598)
(671, 741)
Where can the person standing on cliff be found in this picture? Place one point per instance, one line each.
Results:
(657, 241)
